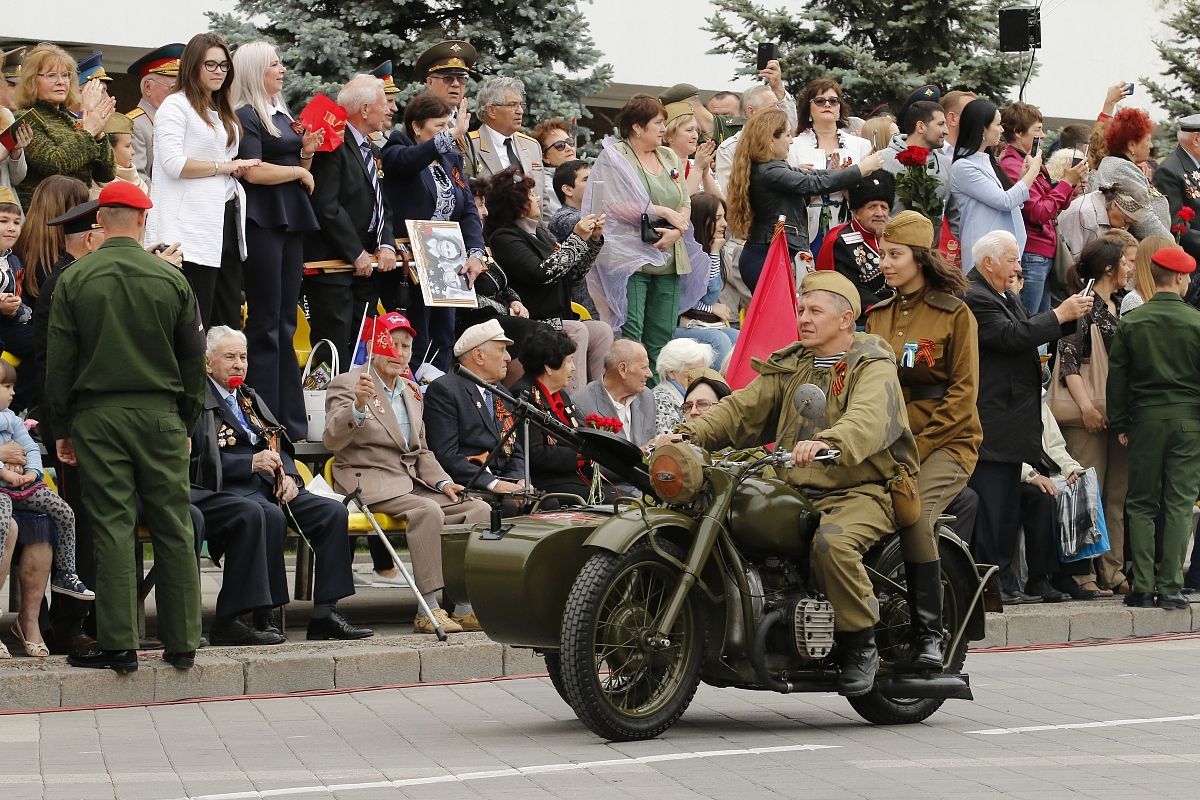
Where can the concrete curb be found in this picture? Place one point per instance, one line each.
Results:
(230, 672)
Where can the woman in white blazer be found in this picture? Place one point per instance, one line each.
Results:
(197, 202)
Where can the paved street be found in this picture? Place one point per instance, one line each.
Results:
(1118, 721)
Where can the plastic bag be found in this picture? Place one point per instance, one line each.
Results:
(1082, 532)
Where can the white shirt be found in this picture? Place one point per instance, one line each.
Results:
(724, 159)
(624, 413)
(498, 140)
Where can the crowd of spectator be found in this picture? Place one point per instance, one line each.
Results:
(996, 258)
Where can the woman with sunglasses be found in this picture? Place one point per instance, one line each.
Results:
(558, 147)
(197, 200)
(61, 144)
(824, 120)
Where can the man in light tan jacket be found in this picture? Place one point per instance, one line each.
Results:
(374, 425)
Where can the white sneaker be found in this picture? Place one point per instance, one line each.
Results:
(395, 582)
(361, 579)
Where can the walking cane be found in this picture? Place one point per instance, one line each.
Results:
(356, 496)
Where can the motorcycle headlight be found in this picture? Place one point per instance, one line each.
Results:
(677, 472)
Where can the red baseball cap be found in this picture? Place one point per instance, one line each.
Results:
(123, 194)
(393, 321)
(1174, 259)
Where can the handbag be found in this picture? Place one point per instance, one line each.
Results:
(314, 397)
(649, 223)
(1094, 372)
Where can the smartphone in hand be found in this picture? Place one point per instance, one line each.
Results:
(1129, 87)
(767, 52)
(1087, 289)
(1037, 145)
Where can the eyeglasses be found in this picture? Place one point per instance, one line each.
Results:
(516, 106)
(699, 405)
(452, 80)
(166, 83)
(830, 102)
(217, 66)
(562, 145)
(55, 77)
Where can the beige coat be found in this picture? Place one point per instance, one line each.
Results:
(375, 455)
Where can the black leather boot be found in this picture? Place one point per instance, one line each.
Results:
(859, 659)
(925, 613)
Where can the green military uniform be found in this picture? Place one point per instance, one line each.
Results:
(866, 420)
(125, 375)
(1154, 398)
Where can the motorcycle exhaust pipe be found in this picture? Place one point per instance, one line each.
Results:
(941, 687)
(758, 655)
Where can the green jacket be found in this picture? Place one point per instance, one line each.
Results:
(60, 147)
(123, 324)
(866, 420)
(1154, 362)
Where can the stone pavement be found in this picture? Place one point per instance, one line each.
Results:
(396, 656)
(1111, 721)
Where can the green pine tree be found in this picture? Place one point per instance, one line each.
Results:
(1180, 84)
(878, 50)
(325, 42)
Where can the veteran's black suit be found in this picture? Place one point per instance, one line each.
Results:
(1010, 409)
(343, 200)
(1178, 178)
(457, 426)
(222, 456)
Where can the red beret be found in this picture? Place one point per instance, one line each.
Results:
(123, 193)
(1174, 259)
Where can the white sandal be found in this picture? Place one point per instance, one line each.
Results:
(4, 652)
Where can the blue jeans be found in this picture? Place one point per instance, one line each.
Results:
(1035, 296)
(721, 339)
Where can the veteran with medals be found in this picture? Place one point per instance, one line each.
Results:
(853, 247)
(935, 338)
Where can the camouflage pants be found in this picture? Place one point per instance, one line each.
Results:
(852, 521)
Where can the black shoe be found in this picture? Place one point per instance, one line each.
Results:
(859, 660)
(1019, 598)
(1073, 589)
(1048, 593)
(180, 660)
(1189, 590)
(233, 632)
(267, 622)
(1172, 601)
(335, 626)
(1139, 600)
(925, 612)
(116, 660)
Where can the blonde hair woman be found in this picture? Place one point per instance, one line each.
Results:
(62, 145)
(763, 187)
(1143, 282)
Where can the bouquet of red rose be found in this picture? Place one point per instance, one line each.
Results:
(1185, 216)
(599, 423)
(915, 187)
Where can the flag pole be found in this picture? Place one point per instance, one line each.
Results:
(371, 349)
(361, 327)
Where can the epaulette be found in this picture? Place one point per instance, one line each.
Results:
(884, 303)
(851, 237)
(943, 301)
(135, 113)
(473, 134)
(524, 135)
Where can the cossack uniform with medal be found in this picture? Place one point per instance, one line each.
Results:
(852, 248)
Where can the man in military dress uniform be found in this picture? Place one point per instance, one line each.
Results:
(1154, 405)
(156, 72)
(853, 247)
(384, 73)
(444, 68)
(124, 385)
(499, 142)
(865, 419)
(1178, 177)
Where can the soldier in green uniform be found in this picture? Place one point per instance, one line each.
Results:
(1154, 406)
(864, 418)
(125, 377)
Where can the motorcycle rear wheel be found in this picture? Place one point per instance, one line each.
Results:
(893, 637)
(621, 685)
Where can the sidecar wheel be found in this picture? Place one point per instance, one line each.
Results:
(619, 683)
(892, 635)
(554, 671)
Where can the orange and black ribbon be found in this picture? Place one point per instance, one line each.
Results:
(925, 351)
(839, 382)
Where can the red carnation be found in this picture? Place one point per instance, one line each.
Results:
(913, 156)
(1187, 214)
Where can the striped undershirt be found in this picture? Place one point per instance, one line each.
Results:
(826, 362)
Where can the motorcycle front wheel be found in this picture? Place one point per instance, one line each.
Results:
(620, 682)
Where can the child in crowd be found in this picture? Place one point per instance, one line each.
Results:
(22, 489)
(12, 310)
(120, 136)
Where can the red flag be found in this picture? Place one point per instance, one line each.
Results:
(321, 113)
(383, 340)
(948, 246)
(771, 319)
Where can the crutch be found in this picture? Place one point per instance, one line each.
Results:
(356, 497)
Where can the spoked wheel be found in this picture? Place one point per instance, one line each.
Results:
(893, 635)
(621, 682)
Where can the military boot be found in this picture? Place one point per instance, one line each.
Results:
(859, 659)
(925, 612)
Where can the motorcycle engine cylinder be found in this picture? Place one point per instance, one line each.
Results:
(811, 627)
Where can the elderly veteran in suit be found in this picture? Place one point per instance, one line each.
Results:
(374, 424)
(232, 451)
(464, 421)
(621, 392)
(1178, 177)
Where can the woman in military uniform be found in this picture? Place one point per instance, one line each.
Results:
(937, 351)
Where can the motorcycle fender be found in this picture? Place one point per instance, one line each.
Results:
(952, 547)
(622, 531)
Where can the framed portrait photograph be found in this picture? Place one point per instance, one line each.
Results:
(439, 253)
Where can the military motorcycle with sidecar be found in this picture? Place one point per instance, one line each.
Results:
(704, 578)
